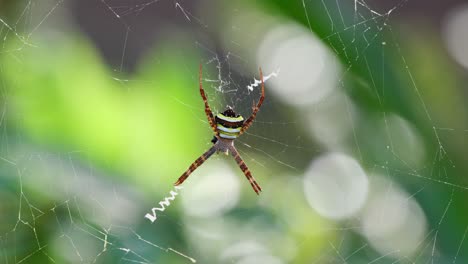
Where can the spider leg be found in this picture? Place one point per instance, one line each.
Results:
(245, 170)
(255, 108)
(195, 165)
(208, 112)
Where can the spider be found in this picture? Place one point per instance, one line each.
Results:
(227, 126)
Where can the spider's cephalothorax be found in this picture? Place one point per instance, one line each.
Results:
(227, 126)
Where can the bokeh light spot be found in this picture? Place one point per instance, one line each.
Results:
(308, 70)
(215, 191)
(455, 36)
(393, 221)
(335, 186)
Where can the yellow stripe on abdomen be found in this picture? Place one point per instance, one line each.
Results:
(229, 127)
(229, 133)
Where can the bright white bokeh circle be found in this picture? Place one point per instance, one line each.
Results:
(455, 34)
(336, 186)
(392, 221)
(213, 191)
(307, 69)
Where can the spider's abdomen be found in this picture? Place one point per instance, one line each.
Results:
(229, 127)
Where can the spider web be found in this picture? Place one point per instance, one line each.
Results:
(359, 153)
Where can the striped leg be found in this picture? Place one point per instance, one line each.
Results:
(195, 165)
(249, 121)
(208, 112)
(245, 170)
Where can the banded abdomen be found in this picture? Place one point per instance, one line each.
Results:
(228, 124)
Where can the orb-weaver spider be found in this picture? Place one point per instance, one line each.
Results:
(227, 126)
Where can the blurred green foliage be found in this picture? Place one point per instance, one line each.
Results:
(66, 97)
(146, 128)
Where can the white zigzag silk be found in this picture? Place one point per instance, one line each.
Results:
(265, 78)
(163, 204)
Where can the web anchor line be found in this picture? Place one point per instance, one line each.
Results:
(163, 204)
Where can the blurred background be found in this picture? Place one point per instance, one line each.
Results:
(360, 146)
